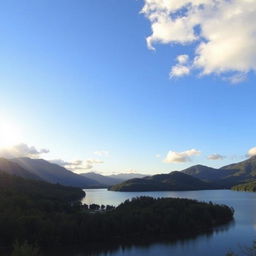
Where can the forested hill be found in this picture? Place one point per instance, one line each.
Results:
(207, 173)
(249, 186)
(23, 191)
(172, 181)
(46, 214)
(244, 169)
(13, 168)
(195, 178)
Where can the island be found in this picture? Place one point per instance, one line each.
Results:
(35, 212)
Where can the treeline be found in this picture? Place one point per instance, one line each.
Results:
(250, 187)
(46, 215)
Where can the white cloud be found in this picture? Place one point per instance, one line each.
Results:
(101, 153)
(179, 70)
(181, 157)
(252, 152)
(157, 155)
(215, 157)
(78, 165)
(223, 33)
(22, 150)
(182, 59)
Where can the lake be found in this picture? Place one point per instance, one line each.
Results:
(240, 233)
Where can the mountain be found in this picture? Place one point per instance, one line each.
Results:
(54, 173)
(127, 176)
(207, 173)
(12, 168)
(163, 182)
(104, 180)
(244, 170)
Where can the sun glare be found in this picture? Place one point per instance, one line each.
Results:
(9, 134)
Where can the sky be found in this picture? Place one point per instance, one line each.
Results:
(118, 86)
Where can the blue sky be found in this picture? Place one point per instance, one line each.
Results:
(77, 77)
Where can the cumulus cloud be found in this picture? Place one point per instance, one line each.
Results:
(252, 152)
(223, 33)
(77, 165)
(22, 150)
(179, 70)
(215, 157)
(182, 59)
(181, 157)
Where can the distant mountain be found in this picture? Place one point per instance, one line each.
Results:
(245, 169)
(12, 168)
(54, 173)
(104, 180)
(207, 173)
(163, 182)
(127, 176)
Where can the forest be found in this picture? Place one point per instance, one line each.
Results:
(48, 215)
(249, 186)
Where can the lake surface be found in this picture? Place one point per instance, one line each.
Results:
(240, 233)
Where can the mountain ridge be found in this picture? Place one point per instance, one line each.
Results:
(54, 173)
(222, 178)
(163, 182)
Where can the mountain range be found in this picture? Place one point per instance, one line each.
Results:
(163, 182)
(193, 178)
(113, 179)
(204, 178)
(40, 169)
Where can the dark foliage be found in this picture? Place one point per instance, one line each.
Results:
(161, 182)
(35, 212)
(250, 186)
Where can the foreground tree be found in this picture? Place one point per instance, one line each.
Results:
(25, 249)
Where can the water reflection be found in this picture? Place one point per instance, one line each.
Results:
(239, 233)
(142, 247)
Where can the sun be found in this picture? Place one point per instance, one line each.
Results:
(9, 134)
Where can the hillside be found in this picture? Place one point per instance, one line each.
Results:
(12, 168)
(50, 216)
(101, 179)
(245, 169)
(226, 176)
(207, 173)
(18, 187)
(54, 173)
(210, 178)
(250, 187)
(163, 182)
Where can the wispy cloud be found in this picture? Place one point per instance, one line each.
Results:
(223, 34)
(22, 150)
(215, 157)
(181, 157)
(78, 165)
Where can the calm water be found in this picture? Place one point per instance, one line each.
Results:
(240, 233)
